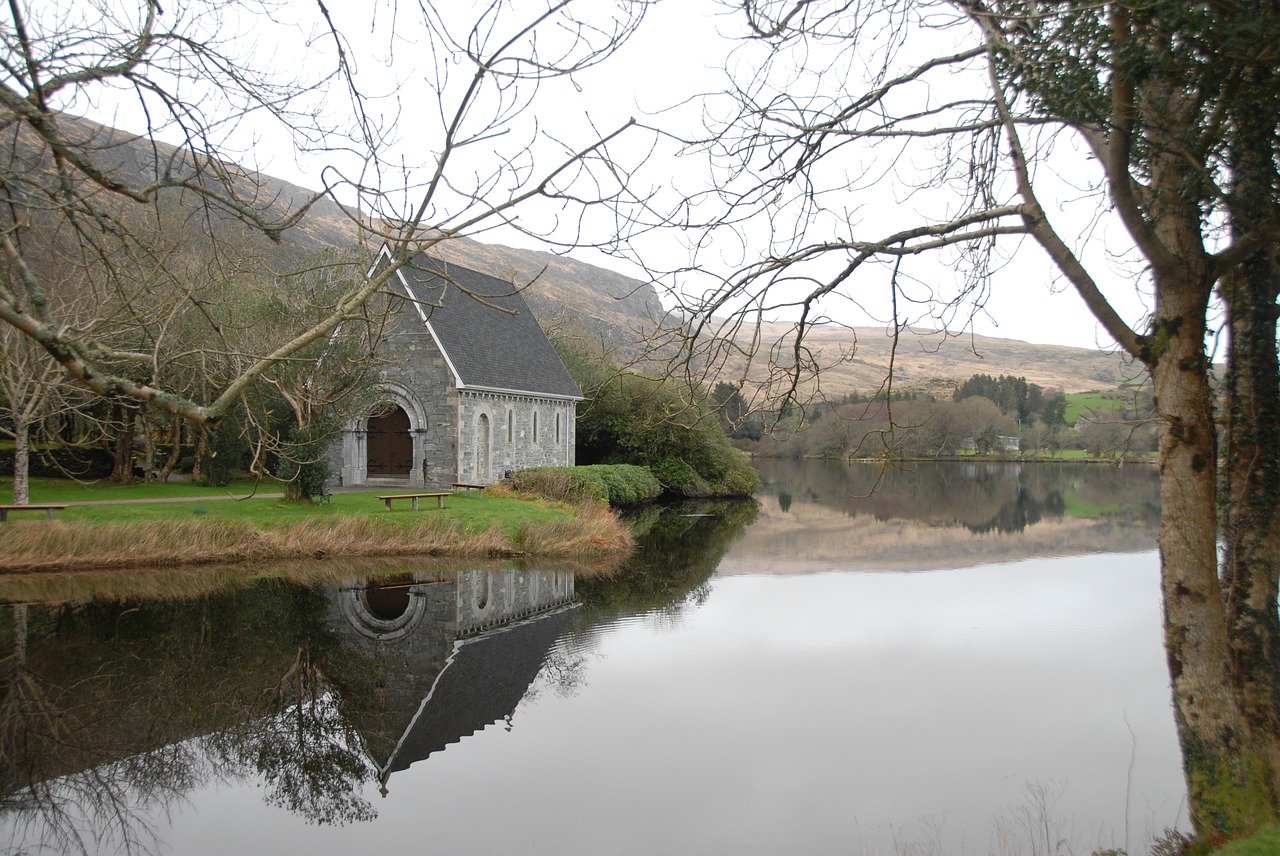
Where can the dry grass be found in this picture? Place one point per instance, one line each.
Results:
(29, 546)
(593, 531)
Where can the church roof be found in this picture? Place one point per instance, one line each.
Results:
(483, 682)
(485, 329)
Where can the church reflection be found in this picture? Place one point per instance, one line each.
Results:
(459, 654)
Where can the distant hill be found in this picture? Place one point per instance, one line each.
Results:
(619, 309)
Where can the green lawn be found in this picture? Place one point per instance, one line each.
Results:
(67, 490)
(1053, 455)
(475, 512)
(1059, 455)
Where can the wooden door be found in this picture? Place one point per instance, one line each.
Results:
(390, 444)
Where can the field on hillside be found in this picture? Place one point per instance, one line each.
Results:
(1087, 402)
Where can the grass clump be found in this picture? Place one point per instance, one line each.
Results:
(594, 530)
(614, 484)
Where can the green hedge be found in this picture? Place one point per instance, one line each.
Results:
(616, 484)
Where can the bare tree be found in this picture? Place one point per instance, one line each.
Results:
(29, 394)
(859, 138)
(198, 79)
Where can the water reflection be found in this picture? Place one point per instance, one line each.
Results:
(679, 547)
(676, 703)
(819, 515)
(111, 712)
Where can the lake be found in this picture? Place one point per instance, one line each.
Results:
(933, 659)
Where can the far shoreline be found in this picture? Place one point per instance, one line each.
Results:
(1150, 459)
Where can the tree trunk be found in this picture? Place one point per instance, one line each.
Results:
(1251, 530)
(122, 444)
(21, 460)
(1251, 526)
(1228, 781)
(175, 449)
(148, 446)
(202, 443)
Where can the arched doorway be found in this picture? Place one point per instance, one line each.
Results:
(482, 448)
(390, 446)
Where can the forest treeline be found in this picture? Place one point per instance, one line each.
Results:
(984, 414)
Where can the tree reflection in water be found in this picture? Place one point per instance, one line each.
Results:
(981, 497)
(114, 712)
(678, 548)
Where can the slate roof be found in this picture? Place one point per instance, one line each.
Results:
(482, 683)
(486, 330)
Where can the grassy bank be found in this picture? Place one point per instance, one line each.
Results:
(177, 528)
(1264, 843)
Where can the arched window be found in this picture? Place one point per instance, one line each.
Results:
(535, 426)
(482, 448)
(557, 429)
(511, 421)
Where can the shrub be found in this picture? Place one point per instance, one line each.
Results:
(303, 465)
(224, 454)
(656, 423)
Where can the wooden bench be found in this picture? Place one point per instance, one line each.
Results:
(47, 507)
(468, 487)
(415, 497)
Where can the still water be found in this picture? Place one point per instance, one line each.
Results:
(943, 659)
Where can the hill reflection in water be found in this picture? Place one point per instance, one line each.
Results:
(820, 515)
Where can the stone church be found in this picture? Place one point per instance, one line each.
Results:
(471, 387)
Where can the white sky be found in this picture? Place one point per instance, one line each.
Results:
(679, 52)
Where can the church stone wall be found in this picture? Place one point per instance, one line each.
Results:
(488, 599)
(522, 431)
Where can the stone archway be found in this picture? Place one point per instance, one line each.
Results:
(389, 609)
(397, 429)
(390, 444)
